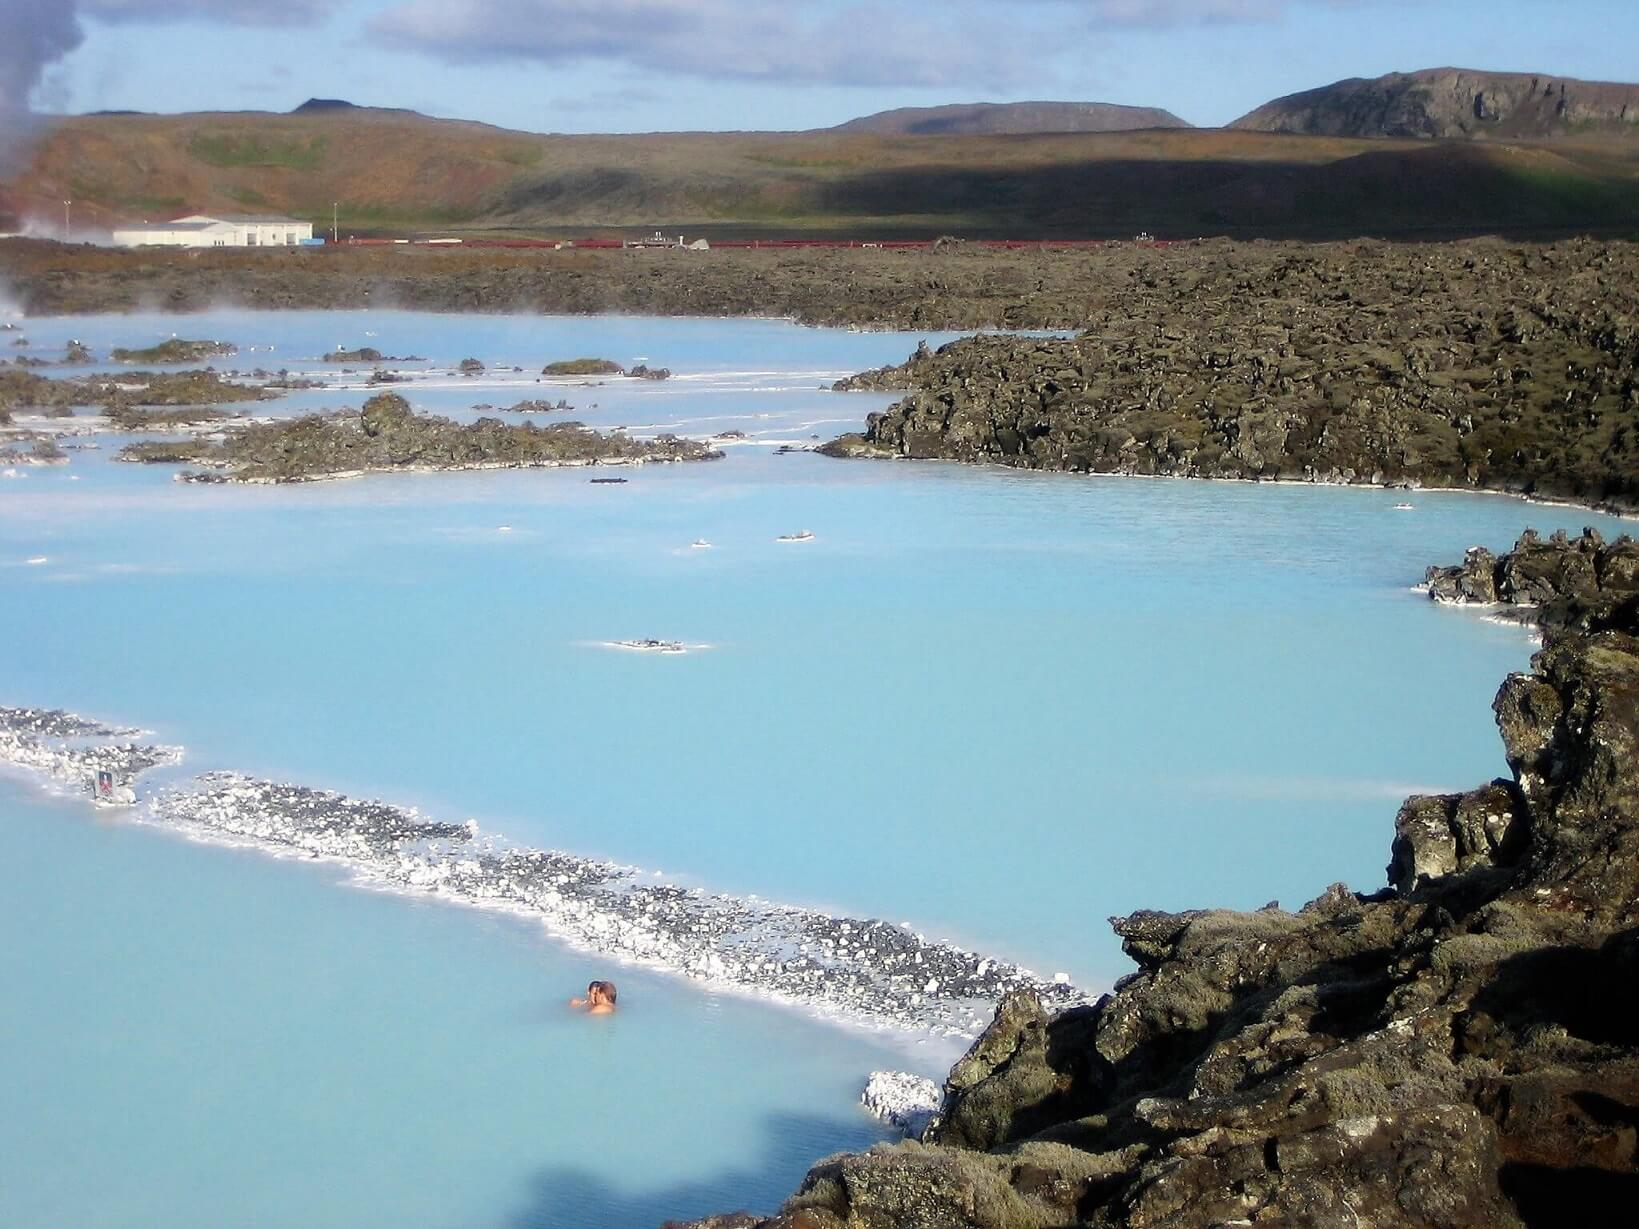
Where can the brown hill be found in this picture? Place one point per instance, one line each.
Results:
(1455, 103)
(967, 119)
(401, 173)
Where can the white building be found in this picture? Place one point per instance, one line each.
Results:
(226, 230)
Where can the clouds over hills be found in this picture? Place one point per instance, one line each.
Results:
(841, 44)
(876, 43)
(838, 42)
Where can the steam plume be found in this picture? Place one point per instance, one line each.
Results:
(34, 34)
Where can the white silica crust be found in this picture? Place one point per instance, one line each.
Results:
(70, 750)
(908, 1102)
(865, 971)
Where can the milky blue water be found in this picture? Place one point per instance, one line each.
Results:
(998, 706)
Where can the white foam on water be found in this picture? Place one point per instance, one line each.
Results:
(908, 1102)
(857, 971)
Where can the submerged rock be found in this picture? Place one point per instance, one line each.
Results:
(1459, 1050)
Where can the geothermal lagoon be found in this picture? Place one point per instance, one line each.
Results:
(895, 767)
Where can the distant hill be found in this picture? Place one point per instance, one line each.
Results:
(313, 105)
(1002, 118)
(1454, 103)
(398, 173)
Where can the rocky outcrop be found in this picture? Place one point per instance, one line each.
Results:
(1583, 583)
(1314, 369)
(1452, 102)
(387, 435)
(1460, 1049)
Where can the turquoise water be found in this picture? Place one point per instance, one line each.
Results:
(997, 706)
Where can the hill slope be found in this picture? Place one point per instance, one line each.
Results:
(398, 173)
(967, 119)
(1453, 102)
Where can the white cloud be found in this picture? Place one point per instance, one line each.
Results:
(223, 12)
(861, 44)
(1201, 12)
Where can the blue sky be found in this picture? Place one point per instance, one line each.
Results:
(644, 65)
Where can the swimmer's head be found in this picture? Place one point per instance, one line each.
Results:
(601, 992)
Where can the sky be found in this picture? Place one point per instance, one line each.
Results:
(666, 65)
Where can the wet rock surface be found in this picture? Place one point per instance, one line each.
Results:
(1460, 1049)
(1559, 581)
(387, 435)
(1474, 367)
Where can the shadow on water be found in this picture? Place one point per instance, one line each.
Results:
(572, 1198)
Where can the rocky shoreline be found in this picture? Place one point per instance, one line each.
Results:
(1340, 373)
(387, 436)
(1560, 582)
(1458, 1050)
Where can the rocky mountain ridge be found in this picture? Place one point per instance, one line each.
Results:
(1453, 103)
(1459, 1050)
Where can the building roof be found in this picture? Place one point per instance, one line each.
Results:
(243, 219)
(178, 227)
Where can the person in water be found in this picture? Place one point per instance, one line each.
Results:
(599, 1000)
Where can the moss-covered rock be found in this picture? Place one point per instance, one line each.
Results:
(176, 350)
(583, 367)
(1484, 369)
(387, 434)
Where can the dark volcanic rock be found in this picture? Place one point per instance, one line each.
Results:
(364, 354)
(21, 390)
(1458, 1051)
(177, 350)
(388, 435)
(1402, 291)
(1583, 582)
(1310, 370)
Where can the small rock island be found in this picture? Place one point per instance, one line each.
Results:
(388, 436)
